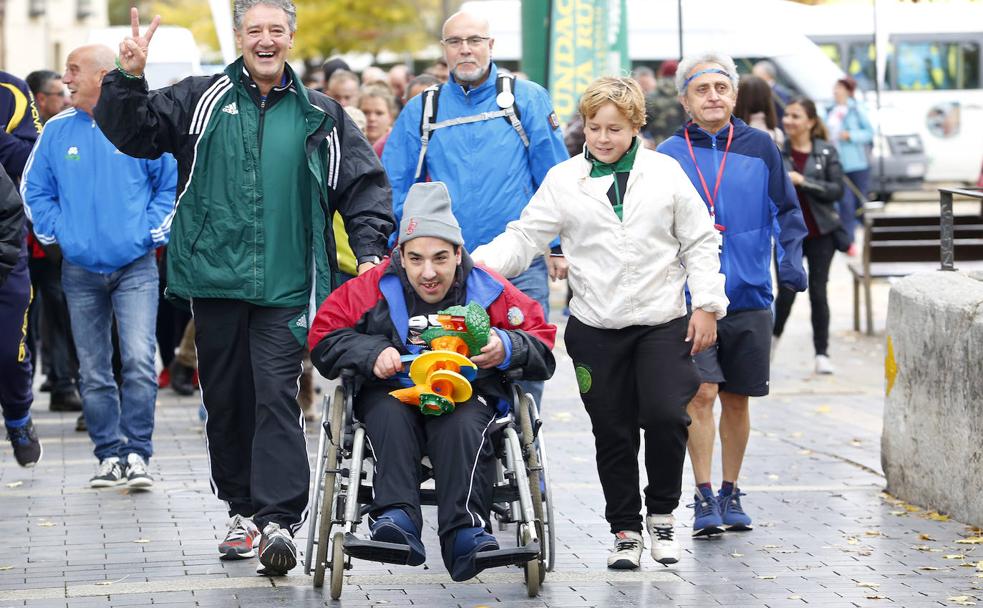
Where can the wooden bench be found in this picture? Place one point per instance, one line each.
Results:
(899, 245)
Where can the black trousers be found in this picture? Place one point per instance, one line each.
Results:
(632, 379)
(49, 321)
(249, 365)
(460, 451)
(818, 252)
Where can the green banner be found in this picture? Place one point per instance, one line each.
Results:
(588, 39)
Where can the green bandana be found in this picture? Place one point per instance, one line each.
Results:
(622, 165)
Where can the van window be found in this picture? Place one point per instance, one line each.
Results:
(935, 66)
(861, 64)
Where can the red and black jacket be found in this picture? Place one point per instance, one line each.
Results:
(368, 314)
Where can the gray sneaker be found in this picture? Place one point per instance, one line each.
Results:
(109, 473)
(137, 476)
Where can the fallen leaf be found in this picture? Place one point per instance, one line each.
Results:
(766, 577)
(899, 513)
(771, 546)
(5, 568)
(797, 434)
(975, 540)
(961, 600)
(970, 565)
(979, 566)
(805, 453)
(936, 516)
(856, 443)
(773, 477)
(15, 484)
(737, 555)
(852, 540)
(823, 409)
(911, 508)
(46, 524)
(869, 585)
(794, 597)
(930, 568)
(872, 533)
(104, 583)
(925, 537)
(142, 541)
(875, 597)
(953, 556)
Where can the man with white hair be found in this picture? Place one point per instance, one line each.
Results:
(739, 173)
(487, 135)
(108, 212)
(264, 163)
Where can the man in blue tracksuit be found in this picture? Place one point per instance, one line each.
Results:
(108, 212)
(739, 173)
(491, 165)
(19, 128)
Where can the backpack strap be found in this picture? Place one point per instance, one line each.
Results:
(428, 117)
(505, 98)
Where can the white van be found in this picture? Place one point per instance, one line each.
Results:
(932, 77)
(747, 31)
(173, 53)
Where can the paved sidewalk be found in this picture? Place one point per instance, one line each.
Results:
(825, 534)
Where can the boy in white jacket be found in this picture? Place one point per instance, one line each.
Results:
(634, 232)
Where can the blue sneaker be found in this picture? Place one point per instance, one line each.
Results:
(395, 526)
(706, 514)
(731, 512)
(459, 556)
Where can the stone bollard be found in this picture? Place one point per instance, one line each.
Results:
(932, 444)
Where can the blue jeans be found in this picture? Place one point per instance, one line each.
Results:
(120, 419)
(534, 282)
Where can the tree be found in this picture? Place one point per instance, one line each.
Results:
(344, 26)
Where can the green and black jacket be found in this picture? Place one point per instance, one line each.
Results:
(219, 240)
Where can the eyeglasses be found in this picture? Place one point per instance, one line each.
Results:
(473, 41)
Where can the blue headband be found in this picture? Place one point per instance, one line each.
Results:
(702, 72)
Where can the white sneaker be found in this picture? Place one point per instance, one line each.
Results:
(823, 365)
(136, 473)
(110, 473)
(665, 549)
(627, 551)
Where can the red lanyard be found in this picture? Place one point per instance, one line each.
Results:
(720, 170)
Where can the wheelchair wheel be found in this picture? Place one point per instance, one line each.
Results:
(327, 501)
(316, 491)
(337, 564)
(533, 570)
(548, 537)
(533, 470)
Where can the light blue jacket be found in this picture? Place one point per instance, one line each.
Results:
(103, 208)
(853, 153)
(489, 173)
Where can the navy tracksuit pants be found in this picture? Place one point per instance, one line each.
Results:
(16, 394)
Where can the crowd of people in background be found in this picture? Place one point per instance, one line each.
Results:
(95, 319)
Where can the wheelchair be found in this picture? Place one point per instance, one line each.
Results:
(342, 490)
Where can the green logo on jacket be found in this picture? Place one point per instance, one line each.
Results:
(584, 379)
(72, 154)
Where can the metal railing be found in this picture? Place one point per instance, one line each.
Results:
(946, 222)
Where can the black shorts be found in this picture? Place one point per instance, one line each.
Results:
(739, 361)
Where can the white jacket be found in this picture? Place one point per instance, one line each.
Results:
(622, 273)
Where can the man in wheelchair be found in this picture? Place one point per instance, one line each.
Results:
(373, 321)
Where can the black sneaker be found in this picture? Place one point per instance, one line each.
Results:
(277, 552)
(109, 473)
(182, 379)
(27, 446)
(65, 401)
(137, 476)
(80, 425)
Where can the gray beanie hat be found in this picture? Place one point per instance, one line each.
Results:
(427, 212)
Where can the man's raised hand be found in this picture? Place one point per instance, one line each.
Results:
(133, 49)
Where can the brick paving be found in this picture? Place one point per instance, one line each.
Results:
(825, 535)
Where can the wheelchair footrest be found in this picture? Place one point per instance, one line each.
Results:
(507, 557)
(375, 551)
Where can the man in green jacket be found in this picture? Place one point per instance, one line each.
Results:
(263, 163)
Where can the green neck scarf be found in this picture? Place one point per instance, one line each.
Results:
(622, 165)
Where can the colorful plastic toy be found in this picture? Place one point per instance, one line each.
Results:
(442, 377)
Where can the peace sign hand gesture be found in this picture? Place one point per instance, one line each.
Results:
(133, 49)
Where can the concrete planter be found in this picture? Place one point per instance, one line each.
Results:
(932, 444)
